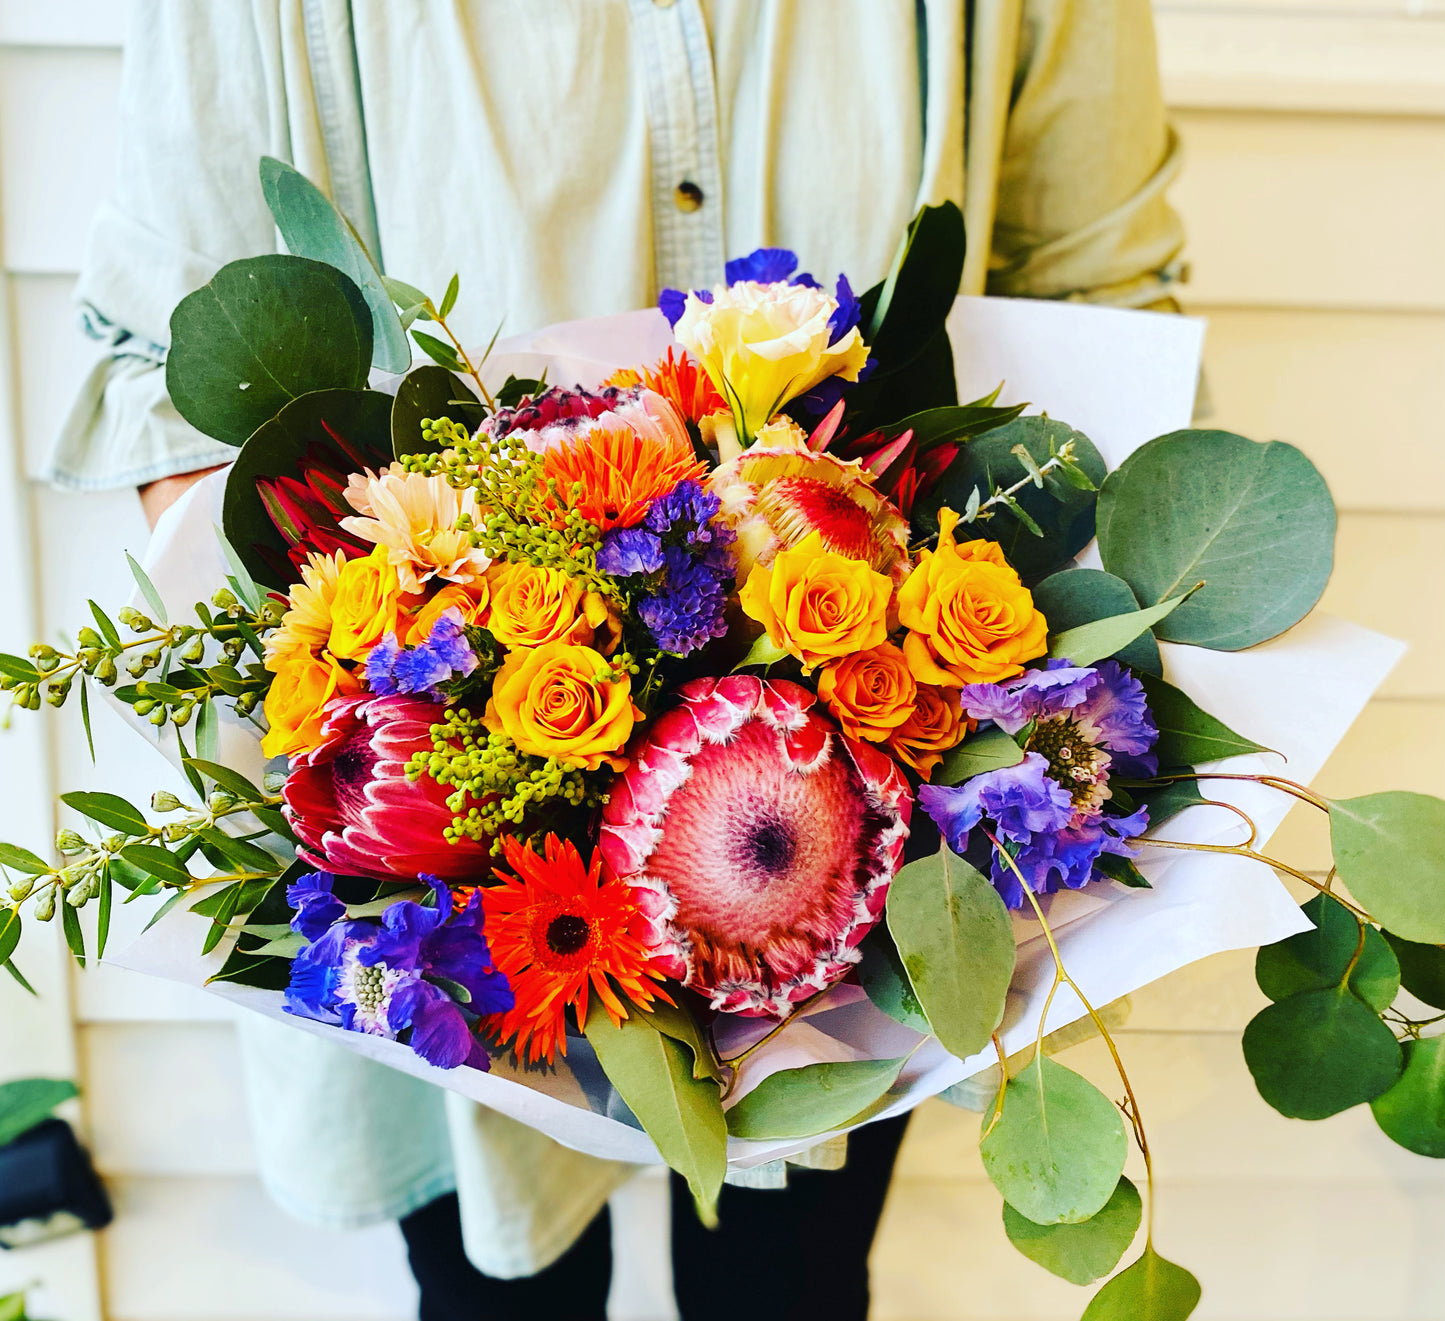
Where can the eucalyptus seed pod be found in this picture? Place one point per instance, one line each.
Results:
(76, 898)
(182, 714)
(57, 692)
(174, 832)
(88, 637)
(152, 658)
(41, 651)
(158, 716)
(224, 599)
(7, 683)
(69, 877)
(89, 657)
(105, 671)
(67, 841)
(44, 908)
(163, 800)
(47, 664)
(232, 648)
(246, 703)
(195, 651)
(144, 706)
(21, 887)
(221, 801)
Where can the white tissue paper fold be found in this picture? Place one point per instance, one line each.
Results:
(1119, 377)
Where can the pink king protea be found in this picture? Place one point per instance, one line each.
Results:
(353, 807)
(760, 840)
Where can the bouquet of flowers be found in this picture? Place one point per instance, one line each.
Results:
(745, 719)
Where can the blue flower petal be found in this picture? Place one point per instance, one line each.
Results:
(762, 266)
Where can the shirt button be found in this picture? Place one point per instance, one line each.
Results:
(688, 196)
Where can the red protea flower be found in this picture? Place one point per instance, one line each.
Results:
(353, 807)
(759, 839)
(557, 929)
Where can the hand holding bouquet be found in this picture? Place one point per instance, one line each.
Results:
(664, 717)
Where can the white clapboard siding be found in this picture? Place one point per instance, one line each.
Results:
(1314, 133)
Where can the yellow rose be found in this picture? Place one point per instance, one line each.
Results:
(970, 619)
(935, 725)
(815, 604)
(557, 700)
(298, 694)
(870, 693)
(763, 344)
(366, 606)
(532, 605)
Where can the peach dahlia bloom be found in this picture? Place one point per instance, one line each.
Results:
(415, 517)
(759, 840)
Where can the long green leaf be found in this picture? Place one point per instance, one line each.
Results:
(156, 861)
(9, 932)
(817, 1098)
(147, 589)
(12, 855)
(988, 750)
(1189, 735)
(27, 1101)
(1103, 637)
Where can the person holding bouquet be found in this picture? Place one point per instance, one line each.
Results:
(577, 159)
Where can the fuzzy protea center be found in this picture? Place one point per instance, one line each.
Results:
(1075, 762)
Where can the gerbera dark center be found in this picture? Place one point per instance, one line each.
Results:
(1074, 762)
(567, 934)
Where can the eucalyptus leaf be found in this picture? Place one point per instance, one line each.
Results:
(1079, 596)
(1084, 1252)
(1189, 735)
(1150, 1289)
(817, 1098)
(12, 855)
(233, 782)
(883, 978)
(987, 750)
(108, 810)
(301, 430)
(1422, 969)
(1063, 513)
(1254, 522)
(956, 942)
(265, 331)
(29, 1101)
(19, 977)
(1087, 644)
(1058, 1148)
(158, 862)
(429, 392)
(682, 1115)
(1316, 959)
(1320, 1052)
(9, 932)
(147, 589)
(314, 227)
(1388, 849)
(1412, 1112)
(1168, 800)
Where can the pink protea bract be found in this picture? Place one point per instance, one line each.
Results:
(353, 807)
(758, 839)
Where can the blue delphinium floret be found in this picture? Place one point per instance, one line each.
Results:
(382, 977)
(1052, 809)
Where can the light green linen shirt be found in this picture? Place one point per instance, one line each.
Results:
(570, 158)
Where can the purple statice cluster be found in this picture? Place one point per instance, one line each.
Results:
(382, 977)
(678, 565)
(444, 655)
(1078, 726)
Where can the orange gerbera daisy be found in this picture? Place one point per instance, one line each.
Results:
(611, 475)
(680, 381)
(556, 928)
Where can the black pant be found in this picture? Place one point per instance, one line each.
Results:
(775, 1256)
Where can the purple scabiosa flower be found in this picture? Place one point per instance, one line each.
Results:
(382, 977)
(1077, 724)
(444, 655)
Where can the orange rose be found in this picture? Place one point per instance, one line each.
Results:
(558, 700)
(970, 619)
(870, 692)
(935, 725)
(470, 600)
(298, 694)
(531, 605)
(366, 606)
(816, 604)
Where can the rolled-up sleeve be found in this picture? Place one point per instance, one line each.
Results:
(1088, 154)
(201, 101)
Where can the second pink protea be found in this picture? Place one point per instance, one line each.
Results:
(760, 840)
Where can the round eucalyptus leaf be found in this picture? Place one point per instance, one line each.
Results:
(1412, 1112)
(1320, 1052)
(1254, 522)
(1058, 1149)
(1422, 969)
(1150, 1289)
(817, 1098)
(1388, 849)
(316, 427)
(1084, 1252)
(263, 332)
(1062, 511)
(1080, 596)
(1314, 960)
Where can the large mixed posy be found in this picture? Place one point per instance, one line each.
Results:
(627, 705)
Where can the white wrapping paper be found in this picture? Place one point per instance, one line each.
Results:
(1121, 378)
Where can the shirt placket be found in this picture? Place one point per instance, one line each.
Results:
(682, 123)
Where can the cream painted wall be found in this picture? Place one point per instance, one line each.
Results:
(1315, 183)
